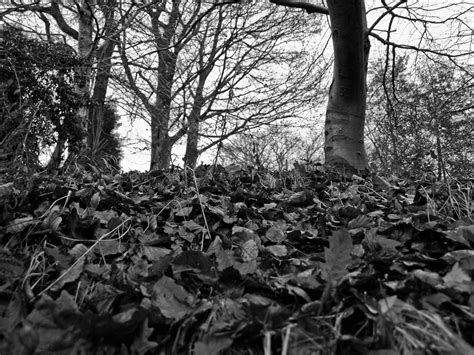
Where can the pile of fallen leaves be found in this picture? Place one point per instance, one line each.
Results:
(235, 261)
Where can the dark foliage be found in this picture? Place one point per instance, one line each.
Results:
(109, 150)
(40, 101)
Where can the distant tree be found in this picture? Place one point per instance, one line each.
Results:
(40, 104)
(273, 148)
(423, 120)
(312, 147)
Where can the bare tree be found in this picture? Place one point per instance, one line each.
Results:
(270, 148)
(345, 115)
(210, 72)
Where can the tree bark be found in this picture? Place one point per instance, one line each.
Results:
(345, 115)
(192, 152)
(85, 48)
(104, 66)
(160, 139)
(161, 142)
(205, 67)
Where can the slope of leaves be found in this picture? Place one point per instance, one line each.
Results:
(235, 261)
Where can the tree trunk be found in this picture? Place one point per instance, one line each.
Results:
(161, 142)
(192, 152)
(160, 139)
(160, 148)
(345, 115)
(85, 48)
(104, 66)
(96, 109)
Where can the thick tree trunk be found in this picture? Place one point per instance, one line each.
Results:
(85, 48)
(96, 109)
(160, 151)
(104, 66)
(205, 67)
(160, 139)
(161, 142)
(345, 116)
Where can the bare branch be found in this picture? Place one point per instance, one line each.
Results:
(418, 49)
(308, 5)
(389, 11)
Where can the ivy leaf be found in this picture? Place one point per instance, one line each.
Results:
(69, 275)
(212, 345)
(249, 250)
(278, 250)
(141, 344)
(171, 299)
(338, 256)
(275, 234)
(458, 279)
(184, 211)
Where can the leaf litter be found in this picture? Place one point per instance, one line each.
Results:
(234, 261)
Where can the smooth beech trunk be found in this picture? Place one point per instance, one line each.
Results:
(345, 115)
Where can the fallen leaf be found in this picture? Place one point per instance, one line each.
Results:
(430, 278)
(141, 344)
(278, 250)
(212, 345)
(462, 234)
(458, 279)
(72, 273)
(153, 253)
(184, 211)
(20, 224)
(249, 250)
(275, 234)
(338, 256)
(171, 299)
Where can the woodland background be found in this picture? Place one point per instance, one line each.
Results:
(242, 83)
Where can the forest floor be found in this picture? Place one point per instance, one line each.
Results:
(235, 261)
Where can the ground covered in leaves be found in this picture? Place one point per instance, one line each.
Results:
(235, 261)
